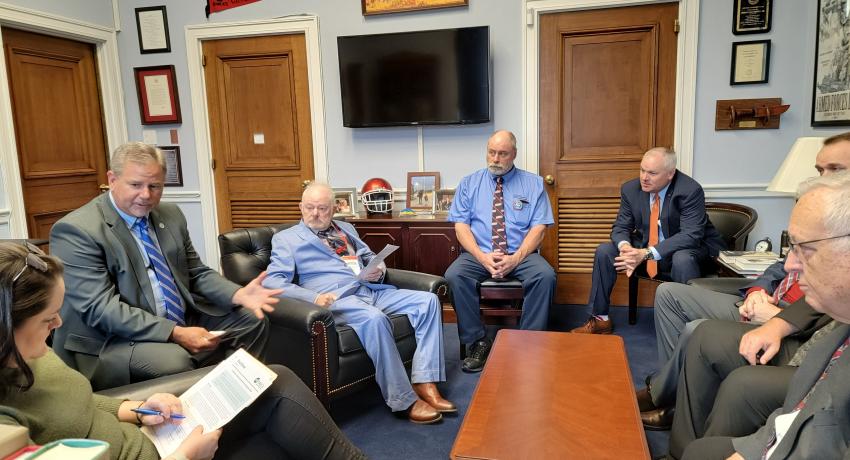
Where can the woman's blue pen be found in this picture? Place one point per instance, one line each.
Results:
(155, 412)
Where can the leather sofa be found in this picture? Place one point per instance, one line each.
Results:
(329, 358)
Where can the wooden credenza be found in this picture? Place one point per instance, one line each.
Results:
(427, 244)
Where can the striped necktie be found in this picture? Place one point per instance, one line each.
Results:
(170, 294)
(499, 238)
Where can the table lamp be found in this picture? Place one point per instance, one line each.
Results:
(798, 166)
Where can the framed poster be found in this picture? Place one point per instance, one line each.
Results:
(152, 27)
(395, 6)
(751, 16)
(173, 169)
(157, 90)
(831, 92)
(344, 202)
(750, 62)
(421, 190)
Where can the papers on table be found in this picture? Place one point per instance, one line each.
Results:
(748, 262)
(214, 400)
(377, 260)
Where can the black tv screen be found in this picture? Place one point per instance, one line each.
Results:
(415, 78)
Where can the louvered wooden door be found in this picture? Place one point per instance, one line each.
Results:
(58, 124)
(259, 112)
(607, 85)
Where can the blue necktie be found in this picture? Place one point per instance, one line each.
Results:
(173, 302)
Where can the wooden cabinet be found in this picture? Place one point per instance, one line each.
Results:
(426, 245)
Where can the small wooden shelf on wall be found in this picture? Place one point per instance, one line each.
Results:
(749, 113)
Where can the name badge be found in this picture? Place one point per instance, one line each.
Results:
(353, 263)
(517, 204)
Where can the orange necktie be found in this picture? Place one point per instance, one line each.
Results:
(651, 264)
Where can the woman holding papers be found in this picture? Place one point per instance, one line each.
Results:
(39, 391)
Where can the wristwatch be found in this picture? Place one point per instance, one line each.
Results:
(648, 255)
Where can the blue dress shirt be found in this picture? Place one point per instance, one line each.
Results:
(526, 205)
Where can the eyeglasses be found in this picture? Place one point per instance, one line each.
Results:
(799, 247)
(32, 260)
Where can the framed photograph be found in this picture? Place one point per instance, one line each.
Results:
(443, 202)
(344, 202)
(751, 16)
(422, 190)
(152, 26)
(173, 169)
(395, 6)
(157, 90)
(750, 62)
(832, 65)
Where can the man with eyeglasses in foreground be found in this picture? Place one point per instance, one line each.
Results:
(813, 421)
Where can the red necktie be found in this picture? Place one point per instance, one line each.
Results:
(651, 264)
(499, 239)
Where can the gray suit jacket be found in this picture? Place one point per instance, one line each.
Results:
(822, 428)
(109, 302)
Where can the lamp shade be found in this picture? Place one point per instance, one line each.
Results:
(798, 166)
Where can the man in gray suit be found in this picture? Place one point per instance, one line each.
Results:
(140, 303)
(814, 420)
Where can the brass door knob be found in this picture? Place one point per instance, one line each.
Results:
(103, 187)
(549, 179)
(305, 183)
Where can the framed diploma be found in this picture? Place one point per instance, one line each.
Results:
(173, 170)
(152, 26)
(157, 90)
(750, 62)
(831, 92)
(751, 16)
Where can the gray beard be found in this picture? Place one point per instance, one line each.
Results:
(496, 170)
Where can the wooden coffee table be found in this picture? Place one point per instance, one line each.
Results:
(553, 395)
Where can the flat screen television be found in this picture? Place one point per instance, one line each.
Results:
(415, 78)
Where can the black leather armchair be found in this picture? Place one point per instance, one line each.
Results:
(330, 359)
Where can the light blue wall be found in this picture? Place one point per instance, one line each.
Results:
(742, 157)
(728, 163)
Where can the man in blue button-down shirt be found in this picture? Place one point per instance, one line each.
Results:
(527, 213)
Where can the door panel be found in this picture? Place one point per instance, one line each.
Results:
(608, 77)
(260, 128)
(58, 125)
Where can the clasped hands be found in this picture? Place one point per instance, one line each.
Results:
(758, 307)
(629, 259)
(498, 263)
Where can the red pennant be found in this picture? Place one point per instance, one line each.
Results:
(214, 6)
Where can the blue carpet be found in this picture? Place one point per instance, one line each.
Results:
(371, 426)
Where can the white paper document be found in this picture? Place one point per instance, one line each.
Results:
(377, 260)
(214, 400)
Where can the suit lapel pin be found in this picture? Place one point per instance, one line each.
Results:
(161, 225)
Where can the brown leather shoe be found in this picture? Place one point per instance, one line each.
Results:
(429, 393)
(644, 400)
(657, 419)
(422, 413)
(595, 325)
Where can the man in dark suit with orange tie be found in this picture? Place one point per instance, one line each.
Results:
(662, 229)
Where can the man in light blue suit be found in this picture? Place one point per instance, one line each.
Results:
(326, 256)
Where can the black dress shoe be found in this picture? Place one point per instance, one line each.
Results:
(644, 400)
(477, 356)
(657, 419)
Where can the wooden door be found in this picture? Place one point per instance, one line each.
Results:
(607, 85)
(260, 129)
(58, 125)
